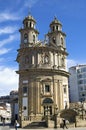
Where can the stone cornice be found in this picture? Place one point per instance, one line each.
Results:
(44, 71)
(43, 48)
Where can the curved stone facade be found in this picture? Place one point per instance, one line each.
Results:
(43, 76)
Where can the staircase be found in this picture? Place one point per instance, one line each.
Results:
(41, 124)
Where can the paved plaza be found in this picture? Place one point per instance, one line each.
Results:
(7, 127)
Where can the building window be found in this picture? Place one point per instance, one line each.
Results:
(56, 27)
(62, 62)
(33, 38)
(24, 107)
(80, 82)
(80, 76)
(84, 87)
(30, 24)
(81, 88)
(47, 88)
(54, 40)
(61, 41)
(24, 90)
(64, 89)
(53, 28)
(26, 24)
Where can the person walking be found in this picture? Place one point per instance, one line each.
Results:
(16, 125)
(3, 121)
(64, 124)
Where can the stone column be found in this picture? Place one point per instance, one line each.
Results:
(38, 56)
(31, 95)
(54, 89)
(60, 94)
(37, 97)
(53, 59)
(32, 59)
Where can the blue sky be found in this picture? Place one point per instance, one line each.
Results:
(72, 15)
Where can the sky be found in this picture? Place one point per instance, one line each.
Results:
(72, 15)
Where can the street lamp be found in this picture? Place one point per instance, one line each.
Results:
(55, 117)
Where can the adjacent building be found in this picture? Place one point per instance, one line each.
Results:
(5, 111)
(9, 106)
(77, 83)
(43, 76)
(14, 105)
(5, 99)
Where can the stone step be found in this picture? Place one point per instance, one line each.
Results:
(37, 124)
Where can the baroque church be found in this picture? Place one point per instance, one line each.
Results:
(43, 76)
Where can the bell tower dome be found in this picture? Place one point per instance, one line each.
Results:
(29, 34)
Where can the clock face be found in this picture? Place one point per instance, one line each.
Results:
(25, 40)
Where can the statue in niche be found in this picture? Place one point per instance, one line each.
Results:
(46, 59)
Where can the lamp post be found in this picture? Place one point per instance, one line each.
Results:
(55, 117)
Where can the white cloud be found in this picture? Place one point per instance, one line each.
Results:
(71, 62)
(30, 3)
(8, 80)
(8, 40)
(8, 16)
(8, 30)
(4, 51)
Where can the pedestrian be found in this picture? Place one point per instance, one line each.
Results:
(16, 125)
(64, 124)
(3, 121)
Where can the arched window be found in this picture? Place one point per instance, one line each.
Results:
(25, 38)
(33, 38)
(53, 28)
(56, 27)
(62, 41)
(62, 62)
(54, 40)
(30, 24)
(26, 24)
(47, 100)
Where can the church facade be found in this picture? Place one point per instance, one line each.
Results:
(43, 76)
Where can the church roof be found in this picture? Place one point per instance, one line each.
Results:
(55, 21)
(30, 18)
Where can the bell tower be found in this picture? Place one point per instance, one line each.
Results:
(29, 34)
(55, 36)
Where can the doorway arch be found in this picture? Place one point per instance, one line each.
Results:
(48, 105)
